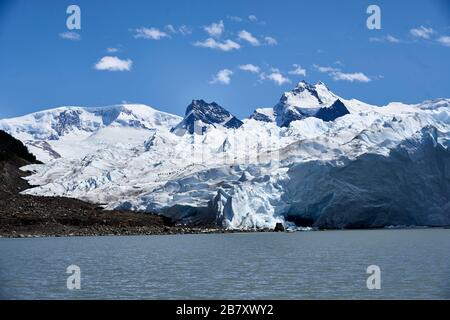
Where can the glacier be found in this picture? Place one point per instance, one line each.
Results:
(313, 160)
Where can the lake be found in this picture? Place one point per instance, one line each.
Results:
(414, 263)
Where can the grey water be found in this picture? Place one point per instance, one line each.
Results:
(414, 264)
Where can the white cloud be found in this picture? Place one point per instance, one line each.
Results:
(215, 29)
(226, 45)
(235, 18)
(222, 77)
(109, 63)
(325, 69)
(356, 76)
(276, 76)
(171, 28)
(444, 40)
(150, 33)
(247, 36)
(298, 70)
(338, 75)
(184, 30)
(252, 18)
(271, 41)
(422, 32)
(112, 50)
(70, 35)
(392, 39)
(387, 38)
(250, 68)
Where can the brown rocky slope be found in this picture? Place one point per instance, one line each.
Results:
(24, 215)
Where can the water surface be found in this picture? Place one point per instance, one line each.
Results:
(330, 264)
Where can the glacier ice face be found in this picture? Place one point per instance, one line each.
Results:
(368, 167)
(410, 186)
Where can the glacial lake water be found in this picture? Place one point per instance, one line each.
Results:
(414, 263)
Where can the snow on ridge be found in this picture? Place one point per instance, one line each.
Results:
(67, 130)
(256, 174)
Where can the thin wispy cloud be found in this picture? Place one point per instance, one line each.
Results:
(183, 29)
(298, 70)
(150, 33)
(222, 77)
(69, 35)
(170, 28)
(270, 41)
(215, 29)
(110, 63)
(325, 69)
(235, 18)
(112, 50)
(253, 18)
(247, 36)
(351, 77)
(421, 32)
(444, 40)
(338, 75)
(389, 38)
(227, 45)
(250, 68)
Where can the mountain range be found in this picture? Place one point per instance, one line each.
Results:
(314, 159)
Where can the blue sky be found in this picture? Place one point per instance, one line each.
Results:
(166, 67)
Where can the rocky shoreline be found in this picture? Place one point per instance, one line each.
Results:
(103, 232)
(23, 216)
(30, 216)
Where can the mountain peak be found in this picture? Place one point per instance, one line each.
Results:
(200, 113)
(321, 84)
(303, 85)
(200, 105)
(304, 100)
(313, 88)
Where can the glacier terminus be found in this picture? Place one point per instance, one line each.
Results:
(314, 159)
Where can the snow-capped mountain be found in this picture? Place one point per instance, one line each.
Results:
(71, 131)
(305, 100)
(199, 114)
(342, 163)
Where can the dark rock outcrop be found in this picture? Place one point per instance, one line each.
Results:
(279, 227)
(12, 149)
(336, 110)
(206, 114)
